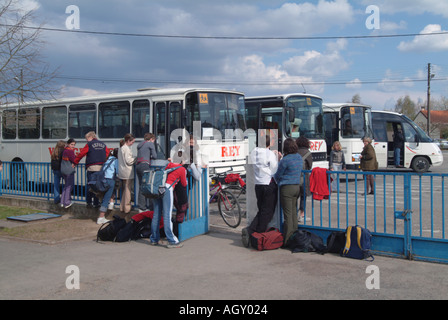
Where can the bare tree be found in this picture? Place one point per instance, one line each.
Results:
(23, 74)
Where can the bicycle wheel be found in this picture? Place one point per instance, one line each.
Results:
(229, 209)
(236, 190)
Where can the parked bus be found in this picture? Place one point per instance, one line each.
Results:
(292, 115)
(29, 131)
(348, 123)
(419, 151)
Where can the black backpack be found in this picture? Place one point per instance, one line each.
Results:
(336, 242)
(305, 241)
(134, 230)
(109, 230)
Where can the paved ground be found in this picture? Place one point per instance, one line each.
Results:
(214, 266)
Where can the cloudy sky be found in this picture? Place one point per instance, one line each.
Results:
(254, 46)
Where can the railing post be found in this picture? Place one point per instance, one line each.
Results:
(407, 215)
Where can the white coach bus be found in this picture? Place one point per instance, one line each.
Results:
(292, 115)
(30, 131)
(348, 123)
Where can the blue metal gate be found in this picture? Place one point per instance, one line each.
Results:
(406, 215)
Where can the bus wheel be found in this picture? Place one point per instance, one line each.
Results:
(420, 164)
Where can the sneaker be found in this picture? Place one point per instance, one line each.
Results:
(302, 219)
(175, 245)
(111, 206)
(245, 237)
(101, 220)
(154, 243)
(69, 205)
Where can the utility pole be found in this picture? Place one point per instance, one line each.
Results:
(428, 106)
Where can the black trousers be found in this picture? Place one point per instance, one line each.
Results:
(266, 202)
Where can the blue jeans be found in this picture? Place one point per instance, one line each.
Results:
(91, 198)
(107, 195)
(334, 183)
(397, 152)
(163, 206)
(56, 185)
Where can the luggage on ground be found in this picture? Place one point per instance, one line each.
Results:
(269, 240)
(358, 243)
(305, 241)
(336, 242)
(109, 230)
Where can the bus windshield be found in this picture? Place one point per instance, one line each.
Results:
(423, 137)
(308, 117)
(218, 111)
(356, 122)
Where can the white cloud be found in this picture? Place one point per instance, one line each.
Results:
(428, 43)
(413, 7)
(318, 64)
(274, 77)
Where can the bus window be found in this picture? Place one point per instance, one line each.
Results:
(379, 131)
(114, 119)
(54, 122)
(140, 118)
(410, 135)
(160, 124)
(308, 120)
(81, 119)
(219, 111)
(353, 122)
(29, 123)
(9, 127)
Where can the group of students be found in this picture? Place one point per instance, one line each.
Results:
(118, 166)
(275, 172)
(118, 163)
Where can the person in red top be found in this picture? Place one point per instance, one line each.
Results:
(164, 206)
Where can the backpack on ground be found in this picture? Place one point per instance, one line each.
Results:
(305, 241)
(153, 184)
(358, 243)
(269, 240)
(134, 230)
(336, 242)
(109, 230)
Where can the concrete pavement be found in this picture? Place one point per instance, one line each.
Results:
(213, 266)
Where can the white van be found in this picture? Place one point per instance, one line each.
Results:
(418, 152)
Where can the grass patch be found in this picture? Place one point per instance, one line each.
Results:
(6, 211)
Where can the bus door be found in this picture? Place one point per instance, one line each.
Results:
(167, 117)
(380, 143)
(271, 119)
(412, 145)
(331, 125)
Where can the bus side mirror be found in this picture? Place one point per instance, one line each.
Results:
(292, 115)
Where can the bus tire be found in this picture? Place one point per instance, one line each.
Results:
(420, 164)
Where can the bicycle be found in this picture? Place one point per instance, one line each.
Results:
(235, 184)
(228, 205)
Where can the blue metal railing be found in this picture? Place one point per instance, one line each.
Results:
(406, 206)
(36, 179)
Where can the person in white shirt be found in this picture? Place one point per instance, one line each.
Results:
(126, 171)
(265, 164)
